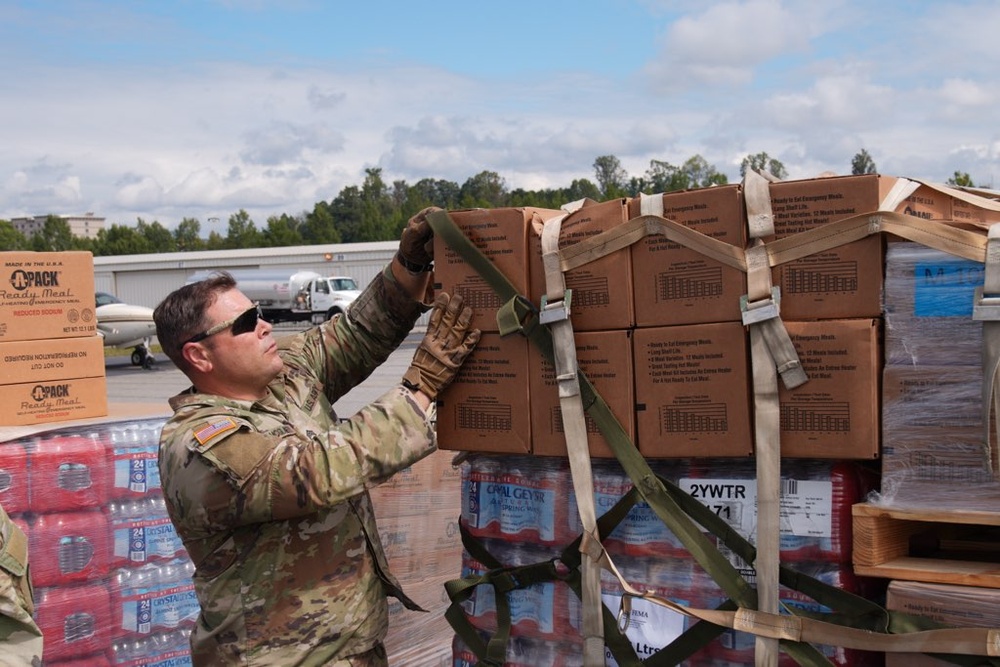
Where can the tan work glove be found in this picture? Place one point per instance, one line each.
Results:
(416, 245)
(445, 346)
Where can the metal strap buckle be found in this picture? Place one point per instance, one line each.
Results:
(986, 308)
(557, 311)
(754, 312)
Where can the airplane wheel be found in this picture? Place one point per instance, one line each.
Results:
(138, 358)
(149, 362)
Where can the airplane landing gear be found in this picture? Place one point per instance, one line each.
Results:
(142, 356)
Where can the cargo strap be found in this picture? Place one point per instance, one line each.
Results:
(986, 308)
(555, 313)
(771, 350)
(653, 490)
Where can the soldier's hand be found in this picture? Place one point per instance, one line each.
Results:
(447, 343)
(416, 245)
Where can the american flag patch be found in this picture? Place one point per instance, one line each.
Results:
(214, 429)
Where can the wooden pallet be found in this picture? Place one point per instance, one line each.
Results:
(946, 547)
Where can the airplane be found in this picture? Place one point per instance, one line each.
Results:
(125, 325)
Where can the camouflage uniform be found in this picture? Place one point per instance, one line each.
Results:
(270, 496)
(20, 638)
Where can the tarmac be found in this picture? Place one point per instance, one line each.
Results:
(128, 384)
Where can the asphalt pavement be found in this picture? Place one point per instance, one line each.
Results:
(130, 384)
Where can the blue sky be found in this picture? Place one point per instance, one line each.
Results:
(182, 108)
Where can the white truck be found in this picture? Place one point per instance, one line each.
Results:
(293, 295)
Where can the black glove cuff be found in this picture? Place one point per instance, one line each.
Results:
(410, 385)
(413, 267)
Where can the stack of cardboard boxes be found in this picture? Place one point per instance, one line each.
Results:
(659, 334)
(53, 358)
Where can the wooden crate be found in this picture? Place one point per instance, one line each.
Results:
(946, 547)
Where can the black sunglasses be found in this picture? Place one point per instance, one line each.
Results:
(243, 323)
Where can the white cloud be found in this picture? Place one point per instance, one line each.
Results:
(727, 41)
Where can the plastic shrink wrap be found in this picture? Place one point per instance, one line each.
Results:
(935, 451)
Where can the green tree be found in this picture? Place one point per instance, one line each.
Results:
(487, 189)
(187, 236)
(612, 179)
(242, 232)
(433, 192)
(282, 231)
(581, 188)
(962, 180)
(11, 238)
(763, 162)
(346, 210)
(319, 226)
(377, 222)
(159, 237)
(862, 163)
(54, 236)
(216, 241)
(121, 240)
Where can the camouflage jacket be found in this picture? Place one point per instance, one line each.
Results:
(270, 496)
(20, 638)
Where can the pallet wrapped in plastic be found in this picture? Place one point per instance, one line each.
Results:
(935, 449)
(417, 512)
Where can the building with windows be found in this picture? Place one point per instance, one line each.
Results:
(83, 226)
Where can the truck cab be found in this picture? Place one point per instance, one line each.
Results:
(325, 296)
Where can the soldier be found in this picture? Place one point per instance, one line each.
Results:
(267, 488)
(20, 637)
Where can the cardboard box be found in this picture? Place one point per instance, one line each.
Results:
(486, 408)
(53, 400)
(956, 606)
(932, 430)
(835, 414)
(845, 282)
(46, 295)
(678, 285)
(939, 202)
(605, 357)
(502, 236)
(602, 290)
(692, 391)
(51, 359)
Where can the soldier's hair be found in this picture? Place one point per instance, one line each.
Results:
(181, 314)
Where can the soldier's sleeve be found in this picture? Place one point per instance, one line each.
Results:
(20, 637)
(344, 351)
(272, 477)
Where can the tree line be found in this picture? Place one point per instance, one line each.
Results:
(378, 211)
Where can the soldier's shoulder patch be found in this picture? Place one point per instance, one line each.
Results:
(214, 429)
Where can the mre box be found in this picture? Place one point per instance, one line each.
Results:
(605, 358)
(486, 407)
(46, 295)
(835, 414)
(51, 359)
(692, 391)
(602, 289)
(678, 285)
(501, 235)
(845, 281)
(53, 400)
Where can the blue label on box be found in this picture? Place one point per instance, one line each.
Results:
(945, 288)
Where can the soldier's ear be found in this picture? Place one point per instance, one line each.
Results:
(198, 356)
